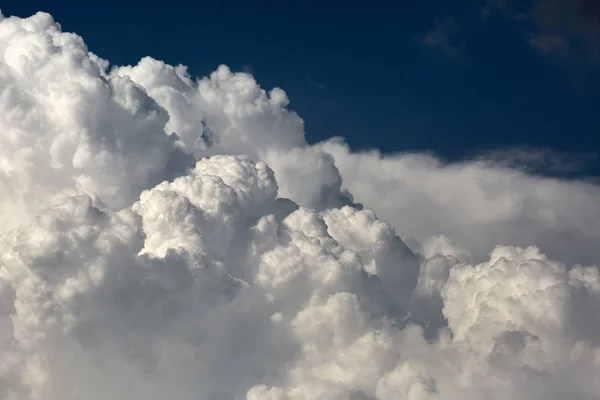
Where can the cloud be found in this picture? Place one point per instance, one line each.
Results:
(315, 84)
(558, 28)
(165, 236)
(566, 26)
(539, 160)
(478, 204)
(444, 37)
(66, 127)
(109, 132)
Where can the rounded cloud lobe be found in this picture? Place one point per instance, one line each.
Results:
(164, 237)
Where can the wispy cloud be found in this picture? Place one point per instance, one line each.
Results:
(445, 36)
(558, 28)
(539, 160)
(315, 83)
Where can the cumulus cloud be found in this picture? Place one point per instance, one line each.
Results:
(477, 204)
(171, 237)
(71, 125)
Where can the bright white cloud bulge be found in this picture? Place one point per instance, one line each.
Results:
(170, 238)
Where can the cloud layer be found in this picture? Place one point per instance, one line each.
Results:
(170, 237)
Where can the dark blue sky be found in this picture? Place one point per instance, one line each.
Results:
(426, 75)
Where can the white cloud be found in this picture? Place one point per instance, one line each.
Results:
(477, 204)
(227, 111)
(130, 271)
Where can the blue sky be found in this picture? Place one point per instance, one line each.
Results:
(425, 75)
